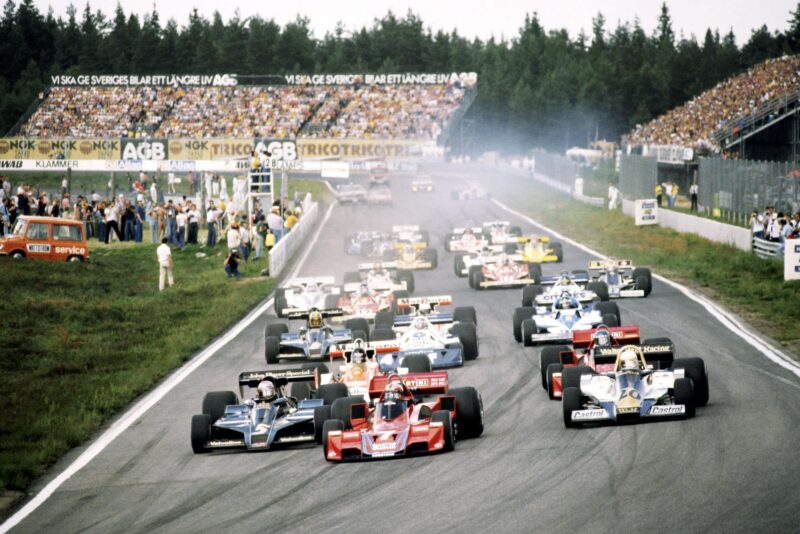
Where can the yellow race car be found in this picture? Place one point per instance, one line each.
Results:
(538, 249)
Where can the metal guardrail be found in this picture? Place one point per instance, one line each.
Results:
(742, 127)
(767, 249)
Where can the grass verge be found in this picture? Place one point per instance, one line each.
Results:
(751, 286)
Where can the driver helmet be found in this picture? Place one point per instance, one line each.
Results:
(315, 319)
(602, 338)
(566, 302)
(359, 356)
(504, 260)
(564, 280)
(611, 266)
(468, 231)
(393, 391)
(363, 290)
(420, 323)
(628, 359)
(266, 390)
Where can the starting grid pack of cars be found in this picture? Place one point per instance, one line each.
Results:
(372, 380)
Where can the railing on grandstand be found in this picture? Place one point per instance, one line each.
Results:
(737, 129)
(27, 115)
(454, 122)
(767, 249)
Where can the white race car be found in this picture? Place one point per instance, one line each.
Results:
(302, 294)
(622, 279)
(557, 323)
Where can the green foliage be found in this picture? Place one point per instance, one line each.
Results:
(539, 87)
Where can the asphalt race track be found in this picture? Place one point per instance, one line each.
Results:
(734, 468)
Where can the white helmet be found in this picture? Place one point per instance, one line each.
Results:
(266, 390)
(628, 359)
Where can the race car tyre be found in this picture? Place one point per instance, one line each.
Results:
(214, 403)
(416, 363)
(609, 308)
(330, 392)
(444, 417)
(383, 334)
(201, 432)
(432, 255)
(447, 239)
(331, 302)
(280, 305)
(571, 376)
(299, 390)
(473, 270)
(276, 329)
(352, 277)
(280, 292)
(363, 335)
(558, 251)
(600, 289)
(478, 280)
(665, 361)
(340, 409)
(695, 368)
(321, 414)
(383, 319)
(469, 412)
(515, 231)
(535, 272)
(684, 393)
(581, 273)
(520, 314)
(465, 314)
(510, 248)
(549, 355)
(530, 292)
(458, 266)
(469, 339)
(643, 279)
(272, 349)
(527, 329)
(408, 278)
(551, 370)
(609, 319)
(329, 426)
(570, 402)
(358, 324)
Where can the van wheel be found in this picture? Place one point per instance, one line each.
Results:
(17, 255)
(75, 259)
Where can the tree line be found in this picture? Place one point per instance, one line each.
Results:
(540, 87)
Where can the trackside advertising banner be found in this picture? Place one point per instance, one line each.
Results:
(791, 259)
(646, 212)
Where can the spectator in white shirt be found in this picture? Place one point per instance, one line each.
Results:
(180, 220)
(164, 255)
(275, 223)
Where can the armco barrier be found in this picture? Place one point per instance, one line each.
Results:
(691, 224)
(285, 248)
(766, 249)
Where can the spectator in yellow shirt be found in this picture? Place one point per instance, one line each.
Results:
(291, 220)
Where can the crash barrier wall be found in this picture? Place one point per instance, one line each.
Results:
(732, 189)
(691, 224)
(285, 248)
(766, 249)
(638, 176)
(556, 167)
(592, 201)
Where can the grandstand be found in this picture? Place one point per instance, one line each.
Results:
(745, 115)
(345, 111)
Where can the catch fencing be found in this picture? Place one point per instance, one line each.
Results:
(556, 167)
(286, 247)
(638, 176)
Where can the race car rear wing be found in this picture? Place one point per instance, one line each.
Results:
(317, 281)
(425, 304)
(620, 335)
(372, 348)
(523, 239)
(599, 265)
(475, 230)
(518, 258)
(422, 384)
(400, 245)
(405, 228)
(303, 314)
(251, 379)
(386, 265)
(552, 280)
(496, 223)
(652, 352)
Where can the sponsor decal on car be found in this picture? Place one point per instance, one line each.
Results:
(668, 409)
(589, 415)
(390, 446)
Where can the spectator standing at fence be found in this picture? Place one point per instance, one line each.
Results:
(275, 223)
(693, 190)
(613, 196)
(212, 219)
(757, 224)
(152, 222)
(659, 194)
(180, 225)
(164, 255)
(171, 230)
(5, 216)
(668, 192)
(291, 220)
(244, 235)
(111, 215)
(128, 222)
(139, 213)
(192, 216)
(257, 234)
(774, 227)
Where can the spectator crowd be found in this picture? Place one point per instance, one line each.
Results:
(693, 123)
(340, 111)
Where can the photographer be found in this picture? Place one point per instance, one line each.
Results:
(231, 263)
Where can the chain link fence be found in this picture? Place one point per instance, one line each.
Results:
(638, 176)
(556, 167)
(732, 189)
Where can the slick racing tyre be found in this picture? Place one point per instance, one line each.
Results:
(330, 392)
(609, 319)
(458, 266)
(299, 390)
(468, 337)
(571, 376)
(280, 305)
(272, 349)
(432, 255)
(535, 272)
(276, 329)
(383, 320)
(695, 368)
(340, 409)
(408, 278)
(520, 314)
(469, 412)
(478, 280)
(557, 251)
(416, 363)
(383, 334)
(201, 432)
(570, 402)
(331, 302)
(465, 314)
(352, 277)
(214, 403)
(600, 289)
(684, 393)
(609, 308)
(473, 270)
(549, 355)
(358, 324)
(527, 329)
(529, 294)
(321, 414)
(643, 279)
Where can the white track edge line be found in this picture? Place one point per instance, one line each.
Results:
(141, 407)
(727, 320)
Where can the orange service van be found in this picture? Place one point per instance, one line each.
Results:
(46, 238)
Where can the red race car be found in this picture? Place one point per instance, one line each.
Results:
(400, 425)
(505, 271)
(595, 351)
